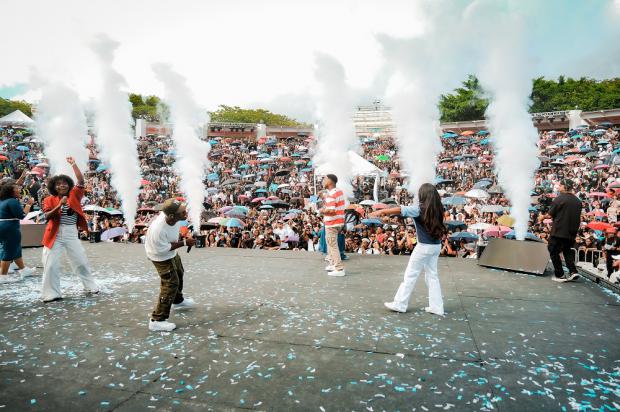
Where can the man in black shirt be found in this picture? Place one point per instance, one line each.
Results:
(566, 214)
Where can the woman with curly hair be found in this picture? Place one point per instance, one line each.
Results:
(11, 213)
(64, 215)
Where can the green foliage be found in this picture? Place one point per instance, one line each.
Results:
(466, 103)
(150, 108)
(239, 115)
(9, 106)
(567, 94)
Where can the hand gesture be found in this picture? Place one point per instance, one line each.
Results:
(30, 201)
(190, 241)
(376, 213)
(71, 160)
(63, 201)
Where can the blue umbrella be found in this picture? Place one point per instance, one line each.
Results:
(454, 201)
(101, 168)
(484, 142)
(372, 222)
(306, 169)
(244, 167)
(466, 236)
(528, 236)
(456, 224)
(260, 191)
(482, 184)
(234, 222)
(213, 177)
(482, 133)
(23, 148)
(213, 142)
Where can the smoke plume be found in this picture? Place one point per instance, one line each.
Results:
(337, 132)
(115, 139)
(61, 125)
(191, 152)
(504, 74)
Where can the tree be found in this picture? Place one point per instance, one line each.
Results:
(466, 103)
(9, 106)
(567, 94)
(235, 114)
(150, 108)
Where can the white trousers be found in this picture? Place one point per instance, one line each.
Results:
(424, 257)
(67, 241)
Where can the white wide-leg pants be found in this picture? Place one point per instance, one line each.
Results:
(68, 241)
(424, 257)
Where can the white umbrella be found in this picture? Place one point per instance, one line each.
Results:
(367, 202)
(492, 209)
(480, 226)
(477, 194)
(93, 208)
(33, 215)
(260, 184)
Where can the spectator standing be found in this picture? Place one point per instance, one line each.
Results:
(333, 217)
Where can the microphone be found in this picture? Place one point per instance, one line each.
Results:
(190, 229)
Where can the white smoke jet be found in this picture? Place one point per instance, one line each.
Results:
(424, 67)
(506, 75)
(114, 130)
(191, 152)
(335, 111)
(61, 125)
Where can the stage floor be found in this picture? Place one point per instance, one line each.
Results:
(273, 332)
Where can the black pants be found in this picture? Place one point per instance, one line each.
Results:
(565, 247)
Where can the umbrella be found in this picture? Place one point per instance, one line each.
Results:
(282, 172)
(492, 209)
(466, 236)
(528, 236)
(258, 199)
(3, 158)
(495, 190)
(113, 212)
(260, 191)
(389, 201)
(506, 220)
(216, 220)
(93, 208)
(23, 148)
(467, 133)
(598, 194)
(112, 233)
(480, 226)
(225, 209)
(367, 202)
(448, 135)
(599, 226)
(456, 224)
(42, 165)
(265, 207)
(483, 184)
(234, 222)
(477, 194)
(260, 184)
(229, 182)
(383, 158)
(280, 204)
(454, 201)
(497, 231)
(372, 222)
(33, 215)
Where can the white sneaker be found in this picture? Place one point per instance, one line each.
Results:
(429, 310)
(336, 273)
(26, 272)
(330, 268)
(187, 303)
(392, 306)
(161, 326)
(10, 278)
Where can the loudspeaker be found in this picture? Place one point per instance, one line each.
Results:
(515, 255)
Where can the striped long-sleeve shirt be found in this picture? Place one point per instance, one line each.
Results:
(334, 201)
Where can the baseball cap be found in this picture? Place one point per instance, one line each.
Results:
(173, 207)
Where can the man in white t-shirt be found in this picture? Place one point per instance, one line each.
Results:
(161, 244)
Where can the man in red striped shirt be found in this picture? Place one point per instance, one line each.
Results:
(333, 217)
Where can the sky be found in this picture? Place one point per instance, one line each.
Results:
(261, 53)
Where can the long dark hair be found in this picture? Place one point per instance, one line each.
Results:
(431, 211)
(7, 190)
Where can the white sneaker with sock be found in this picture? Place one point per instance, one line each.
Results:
(187, 303)
(330, 268)
(161, 326)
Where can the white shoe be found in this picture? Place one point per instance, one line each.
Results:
(161, 326)
(187, 303)
(327, 258)
(392, 306)
(330, 268)
(429, 310)
(336, 273)
(26, 272)
(13, 267)
(10, 278)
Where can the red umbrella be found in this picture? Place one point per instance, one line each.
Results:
(3, 158)
(599, 226)
(284, 159)
(144, 182)
(598, 194)
(596, 213)
(258, 199)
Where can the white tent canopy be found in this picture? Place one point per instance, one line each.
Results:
(359, 166)
(16, 118)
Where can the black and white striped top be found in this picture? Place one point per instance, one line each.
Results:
(68, 216)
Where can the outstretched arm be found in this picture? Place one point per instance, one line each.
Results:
(386, 212)
(76, 170)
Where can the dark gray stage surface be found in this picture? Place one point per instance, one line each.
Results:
(273, 332)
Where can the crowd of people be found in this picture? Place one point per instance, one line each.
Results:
(262, 193)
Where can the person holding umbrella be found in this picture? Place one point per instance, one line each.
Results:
(162, 242)
(566, 214)
(63, 211)
(428, 219)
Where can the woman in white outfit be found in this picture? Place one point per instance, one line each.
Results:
(64, 215)
(428, 219)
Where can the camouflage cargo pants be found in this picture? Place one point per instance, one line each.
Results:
(171, 288)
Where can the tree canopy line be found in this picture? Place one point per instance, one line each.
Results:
(467, 102)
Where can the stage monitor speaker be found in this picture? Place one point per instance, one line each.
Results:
(515, 255)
